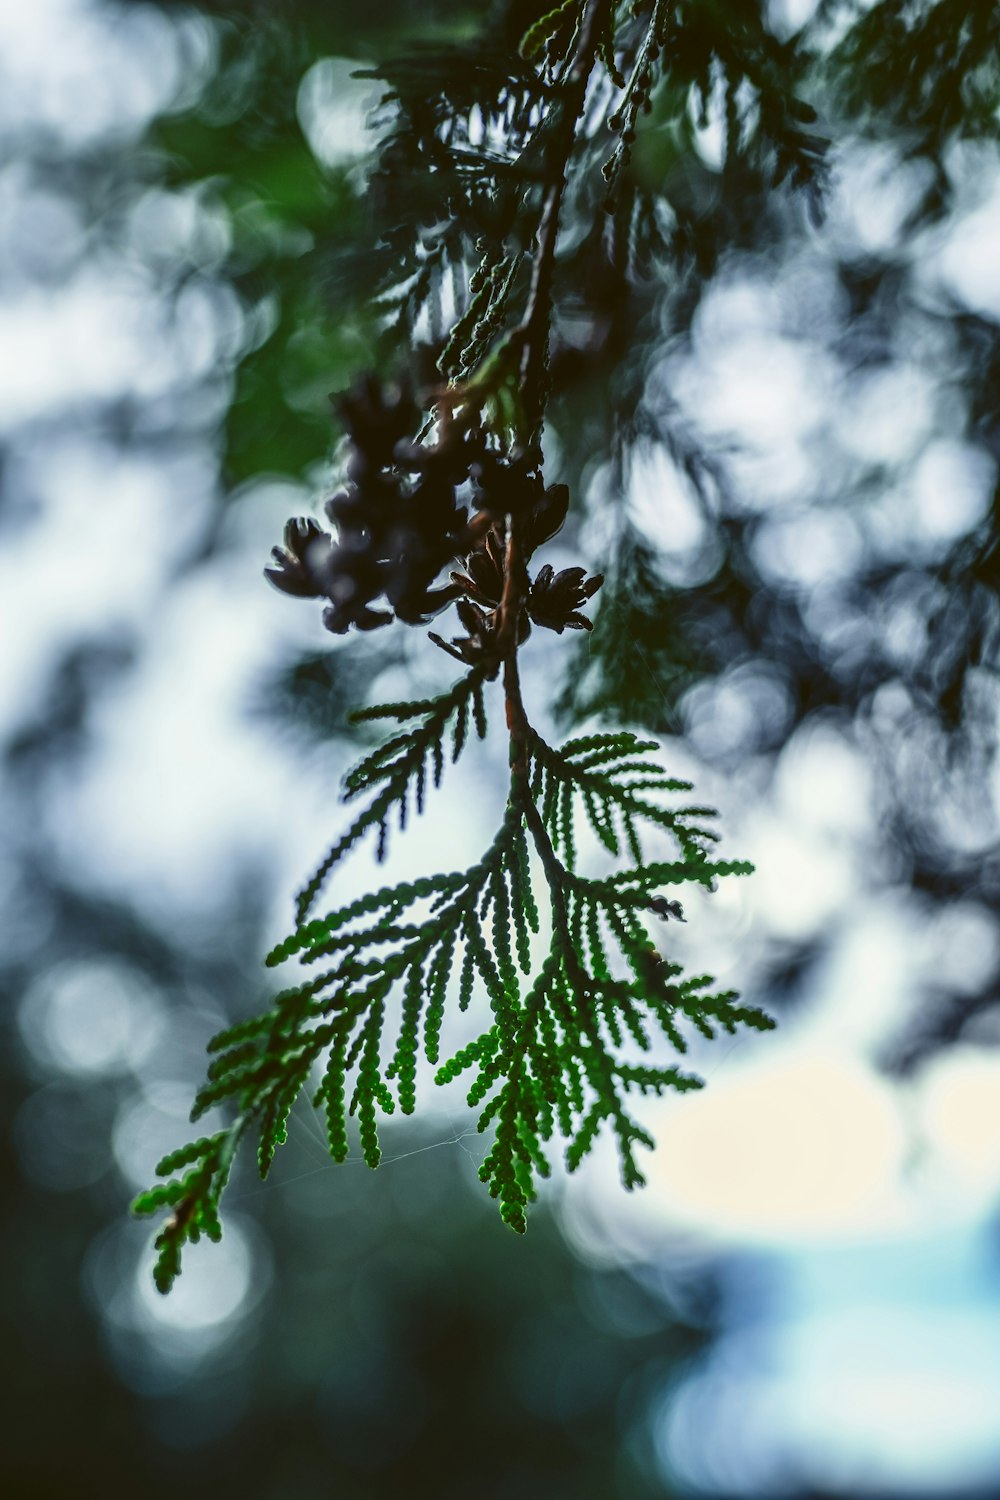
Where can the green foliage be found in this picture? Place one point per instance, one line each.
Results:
(638, 662)
(575, 983)
(927, 67)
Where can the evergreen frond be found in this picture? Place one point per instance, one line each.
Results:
(408, 756)
(554, 1060)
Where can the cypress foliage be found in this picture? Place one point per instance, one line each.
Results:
(571, 991)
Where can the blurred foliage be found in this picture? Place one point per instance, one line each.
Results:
(638, 661)
(927, 71)
(302, 237)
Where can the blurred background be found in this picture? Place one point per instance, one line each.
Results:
(799, 524)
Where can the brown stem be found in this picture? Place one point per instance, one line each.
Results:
(534, 327)
(515, 589)
(533, 337)
(555, 876)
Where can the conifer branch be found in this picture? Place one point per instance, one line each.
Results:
(574, 989)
